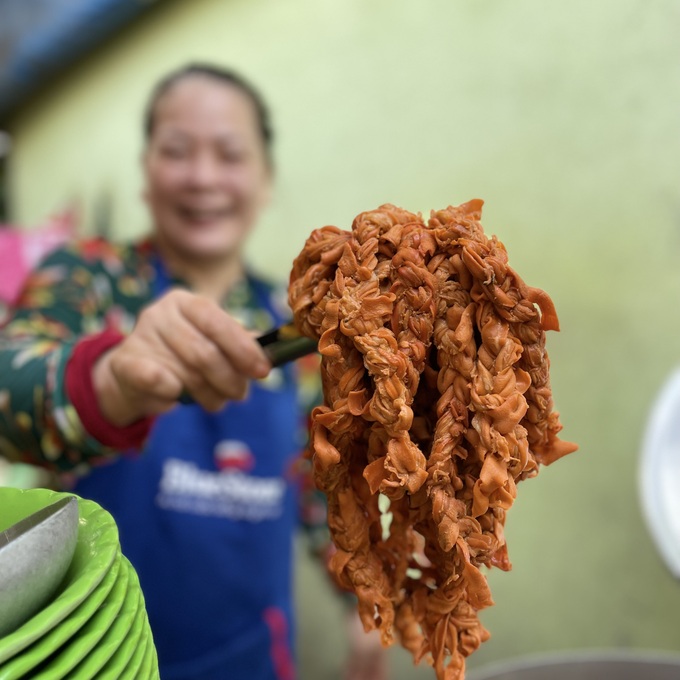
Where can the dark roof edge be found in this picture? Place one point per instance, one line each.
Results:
(45, 53)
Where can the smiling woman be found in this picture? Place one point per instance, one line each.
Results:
(106, 339)
(207, 165)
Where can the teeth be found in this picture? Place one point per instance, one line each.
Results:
(204, 214)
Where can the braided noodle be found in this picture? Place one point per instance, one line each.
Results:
(437, 396)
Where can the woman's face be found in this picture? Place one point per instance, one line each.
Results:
(207, 176)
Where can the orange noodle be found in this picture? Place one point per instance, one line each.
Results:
(436, 396)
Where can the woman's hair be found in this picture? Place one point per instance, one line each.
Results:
(220, 75)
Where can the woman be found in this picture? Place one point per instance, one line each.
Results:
(107, 339)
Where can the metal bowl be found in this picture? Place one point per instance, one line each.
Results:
(35, 554)
(586, 665)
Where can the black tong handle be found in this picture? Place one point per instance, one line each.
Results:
(285, 344)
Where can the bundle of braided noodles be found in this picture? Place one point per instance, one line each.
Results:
(436, 397)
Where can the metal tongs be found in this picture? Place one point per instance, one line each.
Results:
(281, 345)
(285, 344)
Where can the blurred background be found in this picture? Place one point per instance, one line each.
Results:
(563, 117)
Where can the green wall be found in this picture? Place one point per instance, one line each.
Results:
(565, 119)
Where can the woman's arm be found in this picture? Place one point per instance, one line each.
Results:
(72, 390)
(66, 298)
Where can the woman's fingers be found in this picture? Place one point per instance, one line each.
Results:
(211, 355)
(153, 382)
(201, 360)
(129, 386)
(181, 343)
(236, 344)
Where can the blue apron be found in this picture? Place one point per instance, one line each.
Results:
(206, 515)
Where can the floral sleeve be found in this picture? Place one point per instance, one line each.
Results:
(66, 298)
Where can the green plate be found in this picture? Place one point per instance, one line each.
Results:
(149, 669)
(132, 668)
(95, 552)
(146, 669)
(110, 642)
(131, 646)
(17, 666)
(90, 636)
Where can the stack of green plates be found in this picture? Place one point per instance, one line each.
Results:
(96, 623)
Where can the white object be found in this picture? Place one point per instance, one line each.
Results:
(35, 554)
(659, 478)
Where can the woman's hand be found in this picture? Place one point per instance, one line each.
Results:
(367, 658)
(182, 342)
